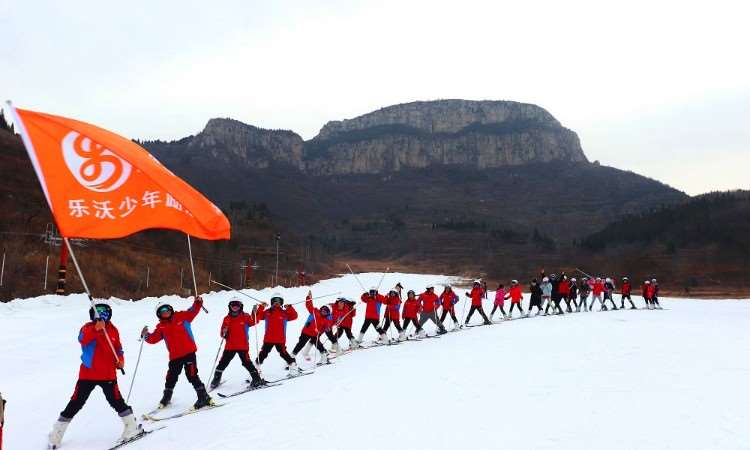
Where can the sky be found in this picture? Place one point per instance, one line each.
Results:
(661, 88)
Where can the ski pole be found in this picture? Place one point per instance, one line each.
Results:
(314, 298)
(192, 269)
(137, 363)
(356, 278)
(221, 344)
(579, 270)
(238, 291)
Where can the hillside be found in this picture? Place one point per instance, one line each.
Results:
(485, 387)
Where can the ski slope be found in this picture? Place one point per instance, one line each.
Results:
(671, 379)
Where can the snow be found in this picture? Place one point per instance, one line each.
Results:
(628, 379)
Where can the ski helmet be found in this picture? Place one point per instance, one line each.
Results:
(608, 280)
(564, 277)
(373, 290)
(411, 294)
(545, 280)
(572, 280)
(625, 278)
(325, 310)
(233, 303)
(513, 281)
(553, 277)
(598, 279)
(653, 280)
(648, 282)
(477, 281)
(103, 310)
(429, 286)
(163, 308)
(277, 299)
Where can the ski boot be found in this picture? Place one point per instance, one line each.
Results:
(402, 335)
(131, 428)
(421, 333)
(57, 433)
(383, 339)
(166, 398)
(354, 344)
(293, 369)
(216, 381)
(203, 399)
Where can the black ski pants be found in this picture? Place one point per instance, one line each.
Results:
(414, 322)
(450, 311)
(304, 339)
(228, 355)
(375, 324)
(281, 348)
(83, 391)
(481, 313)
(387, 324)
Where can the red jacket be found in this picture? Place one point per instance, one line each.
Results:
(176, 332)
(476, 294)
(448, 300)
(516, 295)
(393, 306)
(649, 289)
(626, 288)
(564, 288)
(97, 361)
(235, 331)
(429, 301)
(373, 305)
(342, 317)
(411, 308)
(598, 288)
(316, 323)
(276, 318)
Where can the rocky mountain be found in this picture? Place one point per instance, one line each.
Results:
(471, 134)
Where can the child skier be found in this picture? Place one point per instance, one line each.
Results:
(318, 322)
(174, 329)
(448, 300)
(564, 289)
(546, 287)
(234, 330)
(392, 313)
(573, 294)
(625, 293)
(596, 294)
(476, 295)
(499, 301)
(373, 300)
(646, 293)
(428, 310)
(344, 311)
(536, 297)
(583, 294)
(516, 296)
(276, 318)
(609, 293)
(98, 368)
(411, 307)
(655, 293)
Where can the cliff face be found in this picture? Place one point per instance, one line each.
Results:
(474, 134)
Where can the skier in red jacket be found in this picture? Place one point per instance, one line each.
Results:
(393, 314)
(516, 296)
(476, 295)
(344, 311)
(430, 303)
(448, 300)
(625, 291)
(411, 307)
(276, 318)
(174, 328)
(234, 330)
(98, 368)
(373, 300)
(564, 290)
(318, 322)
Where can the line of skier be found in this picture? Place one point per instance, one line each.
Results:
(102, 352)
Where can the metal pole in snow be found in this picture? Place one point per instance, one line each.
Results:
(2, 270)
(148, 275)
(46, 269)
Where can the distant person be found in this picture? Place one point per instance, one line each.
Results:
(476, 294)
(583, 294)
(546, 288)
(393, 313)
(174, 329)
(609, 294)
(448, 300)
(555, 296)
(499, 301)
(646, 293)
(373, 300)
(625, 293)
(234, 330)
(537, 296)
(98, 368)
(344, 311)
(428, 312)
(572, 294)
(564, 289)
(596, 294)
(516, 296)
(655, 294)
(412, 306)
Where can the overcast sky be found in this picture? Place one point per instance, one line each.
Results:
(661, 88)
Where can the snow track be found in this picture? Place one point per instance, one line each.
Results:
(622, 379)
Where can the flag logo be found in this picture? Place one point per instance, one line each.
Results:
(94, 166)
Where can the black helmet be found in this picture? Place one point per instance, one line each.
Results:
(325, 310)
(104, 312)
(276, 299)
(233, 303)
(411, 292)
(164, 307)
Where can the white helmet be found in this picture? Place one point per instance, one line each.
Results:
(572, 280)
(429, 286)
(372, 288)
(648, 282)
(514, 281)
(653, 280)
(608, 280)
(598, 279)
(545, 279)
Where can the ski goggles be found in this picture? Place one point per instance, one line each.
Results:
(164, 311)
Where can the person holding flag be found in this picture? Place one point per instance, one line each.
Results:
(234, 330)
(98, 369)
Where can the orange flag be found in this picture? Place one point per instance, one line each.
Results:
(101, 185)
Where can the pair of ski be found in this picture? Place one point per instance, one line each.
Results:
(137, 437)
(152, 417)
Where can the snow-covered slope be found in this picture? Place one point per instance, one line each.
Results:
(627, 379)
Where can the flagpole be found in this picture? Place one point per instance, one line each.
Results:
(91, 300)
(192, 269)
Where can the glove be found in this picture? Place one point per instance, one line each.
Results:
(144, 332)
(224, 332)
